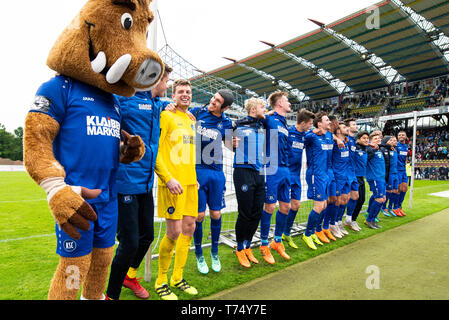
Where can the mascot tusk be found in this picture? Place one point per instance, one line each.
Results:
(99, 63)
(117, 70)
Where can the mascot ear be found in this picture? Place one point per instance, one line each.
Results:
(106, 47)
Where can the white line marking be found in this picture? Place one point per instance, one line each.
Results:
(11, 201)
(26, 238)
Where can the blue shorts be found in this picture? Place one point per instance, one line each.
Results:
(317, 187)
(393, 182)
(212, 189)
(295, 187)
(378, 188)
(402, 177)
(100, 235)
(277, 186)
(341, 186)
(353, 183)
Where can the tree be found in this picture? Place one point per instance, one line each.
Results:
(11, 146)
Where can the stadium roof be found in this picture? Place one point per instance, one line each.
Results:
(399, 42)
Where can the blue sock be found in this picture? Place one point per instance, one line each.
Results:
(371, 199)
(401, 199)
(265, 223)
(377, 207)
(341, 212)
(290, 220)
(333, 214)
(198, 238)
(215, 229)
(350, 207)
(392, 201)
(247, 244)
(319, 222)
(388, 197)
(240, 246)
(374, 211)
(311, 221)
(329, 213)
(279, 227)
(370, 211)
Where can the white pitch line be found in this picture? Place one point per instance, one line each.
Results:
(10, 201)
(26, 238)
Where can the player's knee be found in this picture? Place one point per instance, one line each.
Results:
(200, 217)
(269, 207)
(284, 207)
(214, 214)
(295, 204)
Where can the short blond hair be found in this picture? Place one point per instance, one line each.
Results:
(252, 102)
(275, 96)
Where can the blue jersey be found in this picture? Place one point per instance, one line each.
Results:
(330, 146)
(352, 155)
(140, 116)
(393, 162)
(360, 161)
(211, 131)
(296, 143)
(317, 155)
(88, 142)
(249, 153)
(276, 135)
(402, 149)
(340, 162)
(375, 168)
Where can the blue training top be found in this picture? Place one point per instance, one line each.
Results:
(276, 147)
(249, 153)
(361, 159)
(317, 155)
(340, 162)
(375, 168)
(402, 149)
(141, 115)
(210, 132)
(296, 148)
(88, 142)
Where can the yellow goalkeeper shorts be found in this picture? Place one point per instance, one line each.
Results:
(174, 207)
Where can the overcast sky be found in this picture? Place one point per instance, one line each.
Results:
(201, 31)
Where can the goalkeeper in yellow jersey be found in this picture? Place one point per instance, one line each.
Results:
(177, 194)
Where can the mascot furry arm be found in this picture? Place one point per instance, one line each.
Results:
(104, 51)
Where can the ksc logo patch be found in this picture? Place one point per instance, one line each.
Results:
(244, 188)
(171, 210)
(69, 245)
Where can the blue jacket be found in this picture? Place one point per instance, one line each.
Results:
(249, 153)
(140, 116)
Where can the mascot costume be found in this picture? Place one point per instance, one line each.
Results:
(72, 138)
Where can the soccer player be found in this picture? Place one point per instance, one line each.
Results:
(391, 174)
(326, 228)
(135, 230)
(317, 173)
(375, 175)
(296, 134)
(211, 126)
(360, 162)
(353, 181)
(277, 175)
(402, 149)
(340, 164)
(248, 178)
(177, 195)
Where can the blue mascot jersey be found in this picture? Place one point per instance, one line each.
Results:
(88, 143)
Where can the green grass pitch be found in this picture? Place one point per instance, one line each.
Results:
(27, 243)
